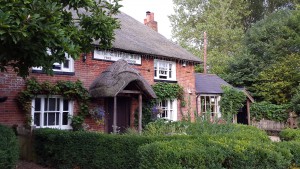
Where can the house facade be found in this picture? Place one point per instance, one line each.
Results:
(118, 80)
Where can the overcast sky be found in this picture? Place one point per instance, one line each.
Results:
(161, 9)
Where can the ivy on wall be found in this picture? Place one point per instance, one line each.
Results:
(165, 91)
(232, 100)
(67, 89)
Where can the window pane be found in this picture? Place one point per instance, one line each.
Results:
(57, 119)
(37, 105)
(57, 103)
(37, 119)
(66, 105)
(45, 119)
(66, 63)
(56, 66)
(51, 119)
(46, 104)
(65, 118)
(170, 70)
(52, 104)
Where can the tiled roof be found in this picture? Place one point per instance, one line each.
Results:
(209, 84)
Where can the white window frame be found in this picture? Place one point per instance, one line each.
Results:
(169, 66)
(214, 100)
(42, 112)
(60, 66)
(170, 111)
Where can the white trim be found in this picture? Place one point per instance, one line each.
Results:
(213, 102)
(61, 65)
(163, 68)
(42, 112)
(170, 111)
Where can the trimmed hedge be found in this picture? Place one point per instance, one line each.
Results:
(213, 152)
(290, 134)
(9, 148)
(65, 149)
(294, 148)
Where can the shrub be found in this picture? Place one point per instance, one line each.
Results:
(213, 152)
(269, 111)
(9, 148)
(290, 134)
(294, 148)
(64, 149)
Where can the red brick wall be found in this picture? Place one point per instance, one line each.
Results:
(11, 85)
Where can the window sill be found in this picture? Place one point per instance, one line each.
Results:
(168, 81)
(55, 72)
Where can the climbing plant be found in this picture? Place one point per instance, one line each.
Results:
(232, 100)
(67, 89)
(165, 91)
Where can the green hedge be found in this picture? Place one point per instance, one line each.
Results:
(213, 152)
(294, 148)
(9, 148)
(290, 134)
(64, 149)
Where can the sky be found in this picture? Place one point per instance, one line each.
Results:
(161, 9)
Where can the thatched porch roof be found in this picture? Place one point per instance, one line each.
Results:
(115, 78)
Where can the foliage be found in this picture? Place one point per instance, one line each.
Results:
(223, 22)
(29, 28)
(77, 122)
(213, 152)
(64, 149)
(150, 112)
(165, 91)
(269, 111)
(67, 89)
(295, 101)
(163, 127)
(294, 148)
(9, 148)
(269, 66)
(277, 83)
(232, 100)
(290, 134)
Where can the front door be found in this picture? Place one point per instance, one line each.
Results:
(123, 114)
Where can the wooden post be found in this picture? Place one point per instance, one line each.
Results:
(205, 54)
(140, 113)
(248, 111)
(115, 115)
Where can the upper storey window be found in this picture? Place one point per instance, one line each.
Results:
(164, 70)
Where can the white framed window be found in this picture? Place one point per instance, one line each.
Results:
(210, 104)
(51, 112)
(164, 70)
(168, 109)
(66, 66)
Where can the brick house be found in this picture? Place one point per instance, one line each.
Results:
(146, 58)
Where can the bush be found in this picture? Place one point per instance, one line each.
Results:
(270, 111)
(290, 134)
(294, 148)
(9, 148)
(64, 149)
(213, 152)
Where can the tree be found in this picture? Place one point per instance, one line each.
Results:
(30, 28)
(269, 67)
(222, 20)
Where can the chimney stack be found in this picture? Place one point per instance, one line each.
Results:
(149, 21)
